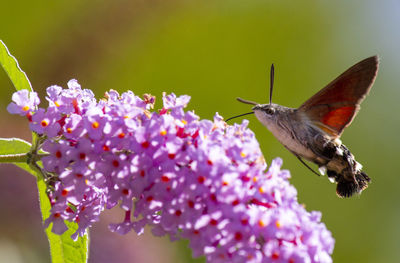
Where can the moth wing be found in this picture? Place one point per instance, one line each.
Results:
(334, 107)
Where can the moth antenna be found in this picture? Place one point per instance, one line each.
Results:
(247, 101)
(238, 116)
(271, 84)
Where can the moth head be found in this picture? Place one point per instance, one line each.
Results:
(268, 110)
(267, 113)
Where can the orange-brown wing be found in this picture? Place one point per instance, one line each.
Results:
(335, 106)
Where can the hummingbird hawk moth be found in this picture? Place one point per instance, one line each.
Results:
(312, 131)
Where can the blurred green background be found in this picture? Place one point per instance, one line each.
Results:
(213, 51)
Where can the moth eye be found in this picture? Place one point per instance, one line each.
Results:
(269, 111)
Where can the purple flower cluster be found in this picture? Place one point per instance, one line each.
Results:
(202, 180)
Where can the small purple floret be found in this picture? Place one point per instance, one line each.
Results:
(23, 103)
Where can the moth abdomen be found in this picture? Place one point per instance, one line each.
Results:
(346, 188)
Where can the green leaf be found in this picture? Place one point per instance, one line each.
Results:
(13, 146)
(14, 150)
(14, 72)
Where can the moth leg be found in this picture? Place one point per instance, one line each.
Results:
(306, 165)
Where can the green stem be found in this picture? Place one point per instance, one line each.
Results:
(14, 158)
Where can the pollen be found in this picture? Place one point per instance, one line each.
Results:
(243, 154)
(121, 135)
(278, 224)
(57, 104)
(44, 123)
(184, 122)
(261, 190)
(95, 125)
(69, 130)
(261, 223)
(25, 108)
(163, 132)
